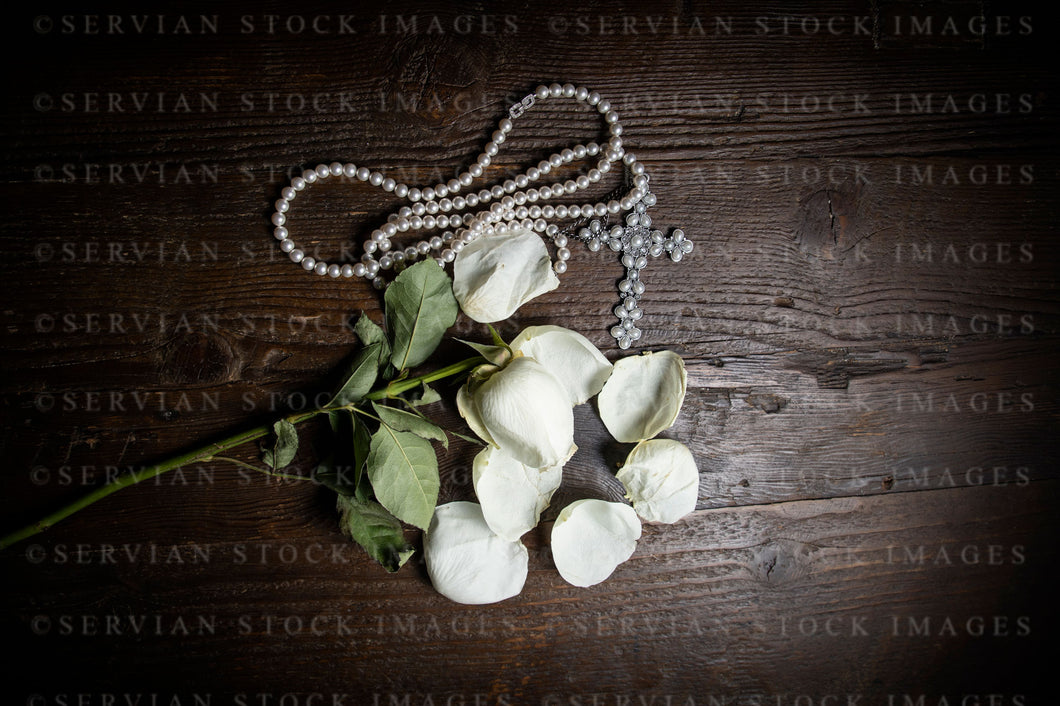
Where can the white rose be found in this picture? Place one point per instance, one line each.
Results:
(570, 356)
(522, 409)
(496, 274)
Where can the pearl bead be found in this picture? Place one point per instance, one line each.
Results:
(512, 204)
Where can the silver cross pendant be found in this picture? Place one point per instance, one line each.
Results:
(636, 240)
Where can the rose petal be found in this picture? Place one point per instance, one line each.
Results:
(527, 412)
(661, 478)
(496, 274)
(591, 538)
(512, 495)
(568, 355)
(467, 562)
(643, 396)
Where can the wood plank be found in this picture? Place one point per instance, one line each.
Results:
(701, 610)
(869, 321)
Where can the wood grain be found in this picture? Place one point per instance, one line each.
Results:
(869, 321)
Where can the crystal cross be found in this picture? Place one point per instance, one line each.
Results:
(636, 240)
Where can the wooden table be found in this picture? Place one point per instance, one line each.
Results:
(869, 323)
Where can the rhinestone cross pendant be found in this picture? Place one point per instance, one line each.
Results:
(636, 240)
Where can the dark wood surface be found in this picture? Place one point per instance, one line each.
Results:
(869, 320)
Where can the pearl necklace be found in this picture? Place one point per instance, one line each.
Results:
(511, 204)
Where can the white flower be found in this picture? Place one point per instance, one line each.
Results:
(467, 562)
(512, 495)
(591, 538)
(496, 274)
(570, 356)
(643, 396)
(522, 409)
(661, 478)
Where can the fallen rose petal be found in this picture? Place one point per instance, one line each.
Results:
(467, 562)
(568, 355)
(512, 494)
(591, 538)
(496, 274)
(643, 396)
(661, 478)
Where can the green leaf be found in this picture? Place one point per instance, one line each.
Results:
(420, 306)
(337, 419)
(340, 478)
(380, 533)
(361, 375)
(400, 420)
(343, 469)
(471, 439)
(404, 474)
(428, 396)
(284, 448)
(497, 355)
(362, 444)
(370, 332)
(497, 340)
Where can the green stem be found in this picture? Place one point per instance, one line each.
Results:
(398, 386)
(210, 451)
